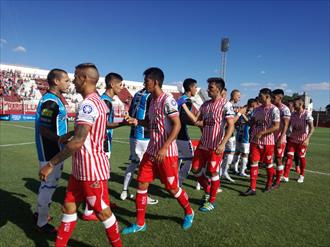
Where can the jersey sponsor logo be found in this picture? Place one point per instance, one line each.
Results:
(87, 109)
(47, 113)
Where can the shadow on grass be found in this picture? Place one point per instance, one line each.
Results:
(14, 209)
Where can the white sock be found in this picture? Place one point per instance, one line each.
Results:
(129, 174)
(244, 164)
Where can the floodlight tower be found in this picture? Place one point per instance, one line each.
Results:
(224, 49)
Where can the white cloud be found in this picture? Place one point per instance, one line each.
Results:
(3, 42)
(19, 49)
(316, 86)
(250, 84)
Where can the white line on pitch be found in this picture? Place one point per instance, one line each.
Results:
(18, 126)
(16, 144)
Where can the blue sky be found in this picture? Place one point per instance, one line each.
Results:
(272, 43)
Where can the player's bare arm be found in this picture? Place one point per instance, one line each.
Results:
(176, 125)
(80, 135)
(228, 134)
(311, 130)
(284, 130)
(65, 138)
(199, 121)
(191, 116)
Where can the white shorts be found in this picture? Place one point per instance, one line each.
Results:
(231, 145)
(243, 147)
(185, 149)
(137, 149)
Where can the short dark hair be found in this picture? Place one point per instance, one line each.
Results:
(155, 74)
(278, 91)
(86, 66)
(219, 82)
(251, 101)
(266, 91)
(110, 77)
(187, 83)
(55, 74)
(233, 92)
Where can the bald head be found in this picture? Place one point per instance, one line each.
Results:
(90, 71)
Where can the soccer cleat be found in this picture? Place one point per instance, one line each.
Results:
(226, 175)
(198, 186)
(249, 192)
(219, 190)
(133, 229)
(151, 201)
(47, 229)
(267, 189)
(300, 179)
(284, 179)
(205, 198)
(243, 174)
(90, 217)
(123, 195)
(188, 220)
(276, 186)
(208, 206)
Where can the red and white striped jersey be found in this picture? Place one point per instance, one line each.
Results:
(284, 114)
(161, 110)
(214, 115)
(263, 118)
(299, 126)
(91, 163)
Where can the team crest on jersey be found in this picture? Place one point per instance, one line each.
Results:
(87, 109)
(173, 102)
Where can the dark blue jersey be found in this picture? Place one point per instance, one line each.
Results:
(139, 110)
(108, 142)
(51, 114)
(184, 119)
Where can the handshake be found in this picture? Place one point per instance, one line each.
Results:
(129, 120)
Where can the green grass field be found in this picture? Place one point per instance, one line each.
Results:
(294, 215)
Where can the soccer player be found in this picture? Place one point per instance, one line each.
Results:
(113, 86)
(90, 166)
(185, 147)
(235, 96)
(51, 123)
(280, 135)
(214, 115)
(161, 157)
(243, 139)
(139, 139)
(302, 128)
(265, 121)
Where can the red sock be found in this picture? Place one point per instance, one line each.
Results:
(112, 231)
(215, 183)
(204, 182)
(65, 230)
(302, 166)
(288, 166)
(279, 173)
(141, 206)
(270, 174)
(183, 200)
(253, 176)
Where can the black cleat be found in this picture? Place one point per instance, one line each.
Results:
(267, 189)
(249, 192)
(47, 229)
(276, 186)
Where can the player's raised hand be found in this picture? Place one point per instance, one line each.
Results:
(45, 171)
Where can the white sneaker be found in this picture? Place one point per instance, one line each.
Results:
(198, 186)
(300, 179)
(229, 178)
(284, 179)
(219, 190)
(123, 195)
(151, 201)
(243, 174)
